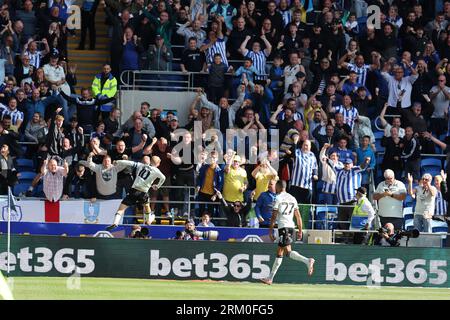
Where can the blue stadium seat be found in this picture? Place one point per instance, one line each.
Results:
(27, 176)
(408, 213)
(24, 164)
(326, 215)
(409, 201)
(378, 145)
(20, 188)
(409, 224)
(378, 135)
(357, 223)
(431, 162)
(432, 166)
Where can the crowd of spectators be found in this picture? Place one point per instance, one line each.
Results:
(311, 69)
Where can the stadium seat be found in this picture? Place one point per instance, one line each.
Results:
(357, 223)
(324, 216)
(432, 166)
(378, 145)
(439, 227)
(431, 162)
(20, 188)
(27, 176)
(409, 201)
(24, 165)
(408, 213)
(409, 224)
(378, 135)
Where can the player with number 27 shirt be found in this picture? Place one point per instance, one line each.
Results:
(284, 210)
(146, 173)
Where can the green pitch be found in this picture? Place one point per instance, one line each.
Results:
(106, 288)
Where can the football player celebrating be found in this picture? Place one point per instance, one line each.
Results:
(284, 210)
(146, 173)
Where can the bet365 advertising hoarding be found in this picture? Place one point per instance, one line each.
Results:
(217, 260)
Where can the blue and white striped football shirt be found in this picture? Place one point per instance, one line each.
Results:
(331, 187)
(305, 166)
(15, 114)
(346, 183)
(360, 71)
(259, 62)
(217, 47)
(440, 208)
(350, 115)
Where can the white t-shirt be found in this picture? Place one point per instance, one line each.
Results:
(425, 202)
(387, 131)
(285, 204)
(388, 206)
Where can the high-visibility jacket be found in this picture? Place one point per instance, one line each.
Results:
(109, 88)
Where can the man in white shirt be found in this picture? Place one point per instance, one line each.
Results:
(390, 195)
(54, 74)
(440, 98)
(425, 195)
(400, 87)
(284, 210)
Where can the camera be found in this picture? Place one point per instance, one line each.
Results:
(207, 235)
(141, 233)
(394, 240)
(189, 235)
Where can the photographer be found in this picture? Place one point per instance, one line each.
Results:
(386, 236)
(189, 232)
(138, 232)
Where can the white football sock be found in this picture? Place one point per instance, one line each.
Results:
(276, 265)
(117, 219)
(298, 257)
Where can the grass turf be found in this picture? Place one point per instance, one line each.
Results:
(106, 288)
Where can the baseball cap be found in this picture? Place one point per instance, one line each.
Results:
(348, 160)
(300, 74)
(158, 36)
(54, 53)
(362, 190)
(174, 118)
(237, 158)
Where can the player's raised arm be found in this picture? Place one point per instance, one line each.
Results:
(125, 164)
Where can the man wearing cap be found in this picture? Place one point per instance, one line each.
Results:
(363, 207)
(54, 74)
(348, 179)
(159, 55)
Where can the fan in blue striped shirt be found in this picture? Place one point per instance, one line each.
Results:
(216, 43)
(349, 112)
(348, 180)
(257, 55)
(440, 208)
(12, 111)
(303, 172)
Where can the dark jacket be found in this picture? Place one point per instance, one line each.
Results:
(218, 177)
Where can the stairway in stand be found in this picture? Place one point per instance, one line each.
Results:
(90, 62)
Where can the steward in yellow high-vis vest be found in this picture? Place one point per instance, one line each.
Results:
(104, 84)
(363, 207)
